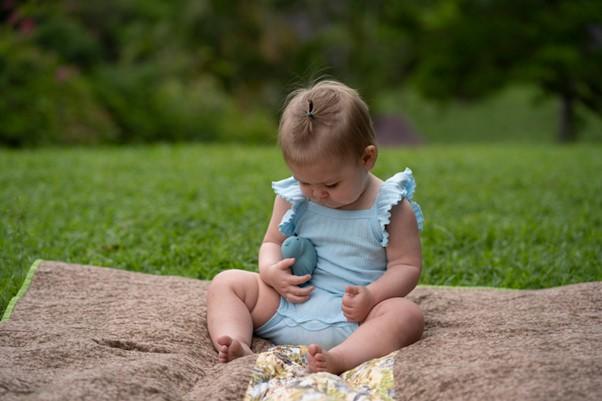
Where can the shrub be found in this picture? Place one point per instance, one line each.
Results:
(44, 101)
(251, 127)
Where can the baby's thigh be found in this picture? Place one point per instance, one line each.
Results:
(236, 286)
(267, 303)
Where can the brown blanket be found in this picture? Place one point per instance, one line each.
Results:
(82, 332)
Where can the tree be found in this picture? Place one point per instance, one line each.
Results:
(469, 48)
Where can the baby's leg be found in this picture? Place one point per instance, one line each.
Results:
(237, 301)
(390, 325)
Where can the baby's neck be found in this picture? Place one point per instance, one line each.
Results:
(368, 195)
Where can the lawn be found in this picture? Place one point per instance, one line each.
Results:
(504, 216)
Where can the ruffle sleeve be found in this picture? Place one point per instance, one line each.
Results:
(289, 190)
(394, 190)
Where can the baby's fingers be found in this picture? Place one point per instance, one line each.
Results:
(296, 299)
(298, 294)
(348, 313)
(285, 264)
(348, 300)
(300, 291)
(298, 280)
(352, 290)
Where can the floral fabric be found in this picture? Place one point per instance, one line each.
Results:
(281, 374)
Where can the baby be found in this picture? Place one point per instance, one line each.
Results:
(365, 232)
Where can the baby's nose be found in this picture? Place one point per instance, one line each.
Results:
(320, 194)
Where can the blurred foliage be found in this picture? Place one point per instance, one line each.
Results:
(126, 71)
(45, 102)
(556, 45)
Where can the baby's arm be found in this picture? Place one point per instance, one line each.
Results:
(403, 266)
(274, 270)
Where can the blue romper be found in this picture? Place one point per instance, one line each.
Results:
(351, 251)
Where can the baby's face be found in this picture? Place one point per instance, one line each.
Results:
(332, 183)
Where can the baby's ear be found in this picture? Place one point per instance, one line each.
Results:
(369, 157)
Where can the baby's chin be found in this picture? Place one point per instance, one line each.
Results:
(333, 205)
(328, 204)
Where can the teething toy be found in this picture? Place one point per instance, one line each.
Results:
(304, 253)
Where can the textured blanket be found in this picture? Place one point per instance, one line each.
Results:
(88, 333)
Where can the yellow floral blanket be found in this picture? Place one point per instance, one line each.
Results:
(281, 374)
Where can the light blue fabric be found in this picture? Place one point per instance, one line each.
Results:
(351, 248)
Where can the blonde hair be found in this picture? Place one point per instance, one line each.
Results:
(328, 119)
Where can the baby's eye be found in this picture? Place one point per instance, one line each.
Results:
(330, 186)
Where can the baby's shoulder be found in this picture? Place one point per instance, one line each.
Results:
(395, 203)
(395, 189)
(290, 203)
(289, 190)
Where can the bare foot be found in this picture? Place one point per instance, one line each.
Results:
(230, 349)
(322, 361)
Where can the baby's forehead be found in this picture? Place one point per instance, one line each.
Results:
(324, 181)
(326, 172)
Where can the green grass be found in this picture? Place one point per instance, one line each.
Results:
(505, 216)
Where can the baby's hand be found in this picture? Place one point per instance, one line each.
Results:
(287, 284)
(357, 303)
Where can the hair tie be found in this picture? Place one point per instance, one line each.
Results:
(310, 110)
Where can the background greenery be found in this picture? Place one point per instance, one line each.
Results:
(489, 86)
(508, 216)
(132, 71)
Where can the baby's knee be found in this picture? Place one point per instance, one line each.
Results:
(408, 315)
(415, 319)
(227, 276)
(232, 279)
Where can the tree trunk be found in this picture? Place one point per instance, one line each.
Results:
(566, 127)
